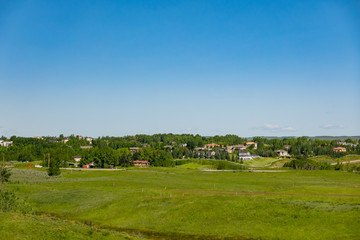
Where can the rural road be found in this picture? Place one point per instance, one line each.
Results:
(210, 170)
(351, 162)
(93, 169)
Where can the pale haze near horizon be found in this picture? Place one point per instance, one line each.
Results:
(209, 68)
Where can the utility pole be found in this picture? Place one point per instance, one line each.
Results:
(48, 159)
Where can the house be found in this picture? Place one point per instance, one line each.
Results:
(5, 143)
(351, 144)
(211, 145)
(339, 149)
(287, 147)
(89, 139)
(282, 153)
(77, 158)
(229, 149)
(65, 140)
(210, 154)
(199, 149)
(85, 147)
(139, 163)
(347, 144)
(134, 149)
(248, 144)
(244, 155)
(238, 147)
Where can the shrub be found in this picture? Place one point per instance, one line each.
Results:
(307, 164)
(54, 169)
(9, 202)
(4, 174)
(225, 165)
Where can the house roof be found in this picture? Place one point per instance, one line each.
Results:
(212, 144)
(339, 148)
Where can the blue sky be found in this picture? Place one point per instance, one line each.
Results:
(251, 68)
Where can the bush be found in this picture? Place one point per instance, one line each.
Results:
(225, 165)
(307, 164)
(54, 169)
(4, 174)
(9, 202)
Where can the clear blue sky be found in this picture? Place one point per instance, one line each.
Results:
(251, 68)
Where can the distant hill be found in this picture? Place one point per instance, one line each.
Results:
(341, 138)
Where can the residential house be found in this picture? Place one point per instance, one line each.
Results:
(239, 147)
(77, 158)
(199, 149)
(287, 147)
(351, 144)
(248, 144)
(85, 147)
(339, 149)
(139, 163)
(5, 143)
(211, 145)
(282, 153)
(244, 155)
(347, 144)
(65, 140)
(134, 149)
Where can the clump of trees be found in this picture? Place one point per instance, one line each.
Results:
(308, 164)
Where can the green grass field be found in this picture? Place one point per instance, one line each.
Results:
(20, 226)
(182, 203)
(260, 162)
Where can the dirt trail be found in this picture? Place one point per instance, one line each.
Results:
(345, 162)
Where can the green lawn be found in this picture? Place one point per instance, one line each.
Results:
(260, 162)
(194, 166)
(181, 203)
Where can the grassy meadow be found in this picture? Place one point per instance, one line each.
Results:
(186, 203)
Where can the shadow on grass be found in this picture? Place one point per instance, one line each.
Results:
(145, 233)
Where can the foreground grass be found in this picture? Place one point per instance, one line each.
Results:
(178, 202)
(20, 226)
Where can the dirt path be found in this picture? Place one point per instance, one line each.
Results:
(345, 162)
(211, 170)
(93, 169)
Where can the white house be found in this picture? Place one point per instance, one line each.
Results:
(77, 158)
(245, 155)
(282, 153)
(5, 143)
